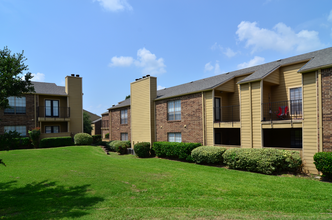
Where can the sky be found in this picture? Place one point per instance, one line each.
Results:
(110, 43)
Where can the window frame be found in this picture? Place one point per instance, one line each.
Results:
(124, 120)
(217, 111)
(179, 113)
(52, 108)
(16, 130)
(124, 133)
(169, 134)
(298, 105)
(52, 129)
(12, 110)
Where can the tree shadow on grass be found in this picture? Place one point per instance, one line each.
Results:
(45, 200)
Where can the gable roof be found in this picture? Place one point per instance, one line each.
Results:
(316, 60)
(49, 88)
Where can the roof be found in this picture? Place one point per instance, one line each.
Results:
(49, 88)
(93, 122)
(93, 116)
(316, 60)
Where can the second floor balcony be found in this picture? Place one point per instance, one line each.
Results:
(46, 113)
(283, 110)
(227, 113)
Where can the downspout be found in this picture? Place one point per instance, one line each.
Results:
(250, 110)
(203, 118)
(320, 110)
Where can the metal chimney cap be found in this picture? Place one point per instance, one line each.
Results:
(77, 75)
(72, 74)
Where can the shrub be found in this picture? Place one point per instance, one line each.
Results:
(121, 146)
(107, 135)
(83, 139)
(56, 142)
(175, 150)
(9, 140)
(323, 162)
(142, 149)
(266, 161)
(208, 154)
(34, 136)
(96, 138)
(23, 143)
(110, 145)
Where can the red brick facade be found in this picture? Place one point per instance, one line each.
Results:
(327, 108)
(190, 125)
(104, 123)
(27, 119)
(117, 127)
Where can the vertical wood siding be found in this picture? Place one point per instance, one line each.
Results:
(310, 141)
(208, 118)
(256, 114)
(74, 90)
(245, 116)
(273, 77)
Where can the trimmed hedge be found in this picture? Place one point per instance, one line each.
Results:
(56, 142)
(96, 138)
(267, 161)
(323, 163)
(83, 139)
(208, 155)
(175, 150)
(142, 149)
(121, 146)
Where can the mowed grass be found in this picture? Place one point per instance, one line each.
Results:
(83, 182)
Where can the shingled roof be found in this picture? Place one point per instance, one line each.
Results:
(48, 88)
(316, 59)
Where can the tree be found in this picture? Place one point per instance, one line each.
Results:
(87, 123)
(128, 97)
(13, 82)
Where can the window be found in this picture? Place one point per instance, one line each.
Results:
(174, 110)
(20, 129)
(17, 105)
(296, 101)
(51, 129)
(51, 108)
(174, 137)
(124, 136)
(217, 109)
(124, 116)
(296, 138)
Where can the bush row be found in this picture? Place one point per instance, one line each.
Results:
(265, 160)
(96, 138)
(56, 142)
(118, 146)
(143, 150)
(175, 150)
(208, 155)
(83, 139)
(323, 162)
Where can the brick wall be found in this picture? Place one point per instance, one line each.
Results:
(117, 127)
(190, 125)
(327, 108)
(27, 119)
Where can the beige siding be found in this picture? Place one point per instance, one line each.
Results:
(289, 78)
(273, 77)
(228, 86)
(256, 114)
(266, 93)
(75, 102)
(142, 111)
(310, 143)
(208, 102)
(245, 116)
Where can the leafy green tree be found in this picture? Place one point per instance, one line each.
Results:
(128, 97)
(87, 123)
(13, 82)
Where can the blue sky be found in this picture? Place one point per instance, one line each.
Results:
(110, 43)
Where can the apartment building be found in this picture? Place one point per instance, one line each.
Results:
(57, 110)
(283, 104)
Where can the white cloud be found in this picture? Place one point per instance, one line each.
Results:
(208, 67)
(115, 5)
(329, 18)
(39, 77)
(217, 68)
(255, 61)
(145, 60)
(281, 38)
(216, 46)
(229, 52)
(160, 87)
(121, 61)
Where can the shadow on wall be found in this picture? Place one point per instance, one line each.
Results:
(44, 200)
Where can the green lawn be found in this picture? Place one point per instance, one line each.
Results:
(83, 182)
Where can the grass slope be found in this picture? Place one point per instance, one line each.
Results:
(83, 182)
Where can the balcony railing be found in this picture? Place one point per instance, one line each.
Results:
(284, 110)
(55, 112)
(227, 113)
(104, 124)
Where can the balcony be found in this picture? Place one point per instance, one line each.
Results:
(284, 110)
(47, 113)
(227, 116)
